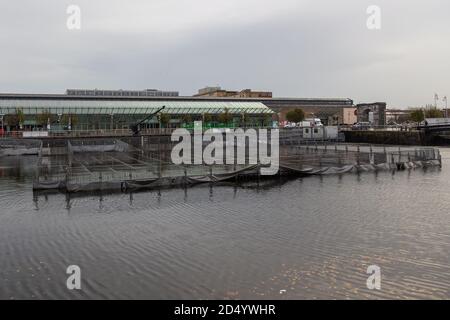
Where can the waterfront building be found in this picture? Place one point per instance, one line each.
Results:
(61, 112)
(88, 112)
(331, 111)
(374, 113)
(334, 111)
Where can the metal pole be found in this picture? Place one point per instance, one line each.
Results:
(2, 117)
(446, 111)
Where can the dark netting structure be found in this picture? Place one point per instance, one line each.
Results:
(127, 163)
(18, 147)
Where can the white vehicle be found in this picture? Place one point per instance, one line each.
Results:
(314, 122)
(290, 125)
(305, 124)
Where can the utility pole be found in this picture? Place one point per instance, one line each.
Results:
(446, 111)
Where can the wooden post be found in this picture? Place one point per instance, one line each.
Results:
(440, 159)
(259, 170)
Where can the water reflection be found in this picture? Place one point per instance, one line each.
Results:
(310, 237)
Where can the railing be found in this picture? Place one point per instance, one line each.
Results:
(363, 127)
(168, 131)
(85, 133)
(99, 132)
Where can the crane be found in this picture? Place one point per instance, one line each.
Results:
(135, 127)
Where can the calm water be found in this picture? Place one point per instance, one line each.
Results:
(312, 237)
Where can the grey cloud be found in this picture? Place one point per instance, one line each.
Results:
(316, 49)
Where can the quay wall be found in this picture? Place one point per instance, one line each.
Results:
(386, 137)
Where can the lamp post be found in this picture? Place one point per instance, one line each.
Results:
(112, 121)
(446, 111)
(3, 126)
(59, 121)
(436, 98)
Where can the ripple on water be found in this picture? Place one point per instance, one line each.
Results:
(299, 239)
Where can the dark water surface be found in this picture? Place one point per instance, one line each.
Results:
(310, 238)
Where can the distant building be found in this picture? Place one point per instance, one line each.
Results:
(397, 116)
(331, 111)
(116, 109)
(121, 93)
(81, 112)
(248, 93)
(374, 113)
(219, 92)
(349, 115)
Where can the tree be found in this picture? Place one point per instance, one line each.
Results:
(417, 115)
(245, 119)
(44, 118)
(164, 119)
(207, 117)
(16, 119)
(11, 120)
(403, 118)
(296, 115)
(267, 119)
(186, 118)
(225, 116)
(433, 112)
(20, 117)
(71, 119)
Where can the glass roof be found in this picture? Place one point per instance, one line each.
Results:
(33, 106)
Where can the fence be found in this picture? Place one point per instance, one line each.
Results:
(16, 147)
(145, 162)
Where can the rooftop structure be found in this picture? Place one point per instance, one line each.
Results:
(219, 92)
(121, 93)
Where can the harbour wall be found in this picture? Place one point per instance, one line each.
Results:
(387, 137)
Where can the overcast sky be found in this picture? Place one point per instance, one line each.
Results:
(295, 48)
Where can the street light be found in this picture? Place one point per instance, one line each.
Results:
(446, 111)
(1, 119)
(112, 121)
(436, 98)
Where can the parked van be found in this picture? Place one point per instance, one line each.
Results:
(314, 122)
